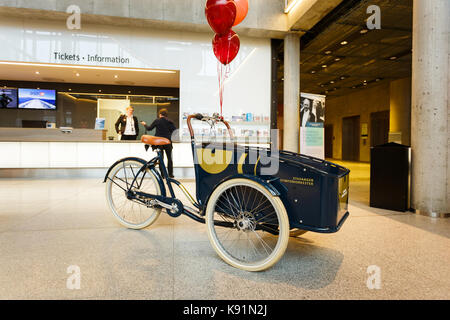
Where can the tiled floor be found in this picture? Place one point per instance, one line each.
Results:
(48, 225)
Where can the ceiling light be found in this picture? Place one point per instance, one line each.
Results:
(70, 89)
(324, 66)
(77, 74)
(68, 66)
(116, 76)
(364, 31)
(377, 80)
(291, 5)
(328, 52)
(37, 72)
(99, 90)
(313, 71)
(365, 81)
(331, 81)
(337, 59)
(393, 58)
(343, 78)
(344, 43)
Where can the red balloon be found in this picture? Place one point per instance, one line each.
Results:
(221, 15)
(242, 10)
(226, 47)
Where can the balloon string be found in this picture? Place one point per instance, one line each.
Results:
(223, 72)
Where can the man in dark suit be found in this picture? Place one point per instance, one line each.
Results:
(306, 114)
(164, 128)
(127, 125)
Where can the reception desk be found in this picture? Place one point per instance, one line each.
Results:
(81, 154)
(43, 153)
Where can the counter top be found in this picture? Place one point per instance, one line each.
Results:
(51, 135)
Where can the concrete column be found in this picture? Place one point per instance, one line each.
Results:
(430, 113)
(291, 92)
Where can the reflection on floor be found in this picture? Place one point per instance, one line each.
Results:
(48, 225)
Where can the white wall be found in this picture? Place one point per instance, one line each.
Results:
(247, 89)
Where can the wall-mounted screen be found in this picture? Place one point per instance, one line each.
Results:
(37, 99)
(8, 98)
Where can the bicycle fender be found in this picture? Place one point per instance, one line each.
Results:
(151, 166)
(123, 159)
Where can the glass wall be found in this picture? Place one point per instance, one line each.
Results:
(78, 109)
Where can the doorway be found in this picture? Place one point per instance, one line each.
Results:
(329, 141)
(350, 138)
(379, 128)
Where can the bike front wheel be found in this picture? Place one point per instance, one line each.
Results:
(129, 212)
(248, 227)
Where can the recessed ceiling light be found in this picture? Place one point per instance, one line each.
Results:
(67, 66)
(324, 66)
(331, 81)
(116, 76)
(344, 43)
(38, 88)
(99, 90)
(377, 80)
(70, 89)
(37, 72)
(337, 59)
(364, 31)
(365, 81)
(314, 71)
(343, 78)
(328, 52)
(129, 91)
(393, 58)
(77, 74)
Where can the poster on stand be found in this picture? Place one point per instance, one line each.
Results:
(312, 120)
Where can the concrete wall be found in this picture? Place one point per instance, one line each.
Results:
(361, 103)
(265, 18)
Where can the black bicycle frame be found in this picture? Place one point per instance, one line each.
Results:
(164, 175)
(168, 200)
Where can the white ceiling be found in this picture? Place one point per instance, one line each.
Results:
(68, 74)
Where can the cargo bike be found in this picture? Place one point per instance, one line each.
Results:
(251, 199)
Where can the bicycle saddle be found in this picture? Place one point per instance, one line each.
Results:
(155, 141)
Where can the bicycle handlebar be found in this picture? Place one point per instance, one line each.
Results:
(200, 117)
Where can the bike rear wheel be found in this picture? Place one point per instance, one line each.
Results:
(130, 212)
